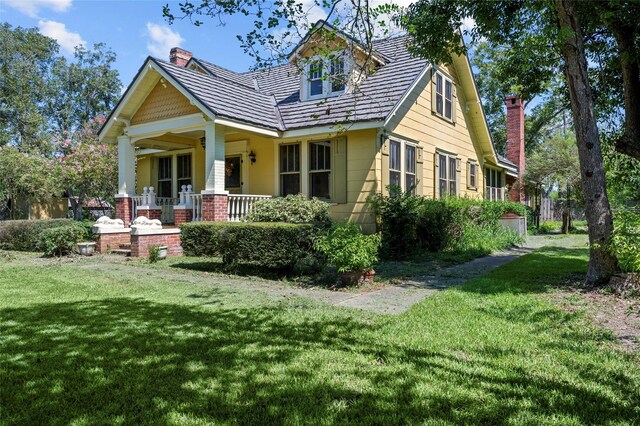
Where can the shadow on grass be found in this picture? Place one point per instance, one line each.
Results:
(133, 361)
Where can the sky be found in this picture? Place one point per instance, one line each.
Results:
(132, 29)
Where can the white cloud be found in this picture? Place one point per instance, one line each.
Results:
(32, 7)
(58, 31)
(162, 39)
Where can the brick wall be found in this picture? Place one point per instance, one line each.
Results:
(107, 242)
(140, 244)
(214, 208)
(182, 216)
(150, 214)
(123, 210)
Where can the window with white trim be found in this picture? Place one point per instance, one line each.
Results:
(402, 165)
(444, 96)
(320, 169)
(494, 184)
(289, 169)
(447, 175)
(165, 177)
(472, 175)
(326, 77)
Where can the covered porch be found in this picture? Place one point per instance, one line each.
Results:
(190, 168)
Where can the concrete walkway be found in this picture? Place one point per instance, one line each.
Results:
(399, 298)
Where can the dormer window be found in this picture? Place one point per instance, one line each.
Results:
(325, 77)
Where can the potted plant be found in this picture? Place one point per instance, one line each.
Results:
(86, 248)
(350, 251)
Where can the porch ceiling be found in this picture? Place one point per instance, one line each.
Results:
(170, 141)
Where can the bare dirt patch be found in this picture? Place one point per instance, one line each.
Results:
(606, 307)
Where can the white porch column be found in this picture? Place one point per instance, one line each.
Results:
(214, 163)
(126, 166)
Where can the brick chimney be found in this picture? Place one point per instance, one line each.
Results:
(179, 56)
(515, 144)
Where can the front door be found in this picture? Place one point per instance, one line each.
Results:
(233, 174)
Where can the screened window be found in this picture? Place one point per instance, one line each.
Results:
(447, 175)
(444, 97)
(165, 177)
(184, 170)
(289, 169)
(315, 78)
(494, 190)
(395, 164)
(320, 169)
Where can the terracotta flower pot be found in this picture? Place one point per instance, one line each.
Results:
(368, 276)
(350, 278)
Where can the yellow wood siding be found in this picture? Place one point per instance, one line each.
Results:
(432, 132)
(161, 103)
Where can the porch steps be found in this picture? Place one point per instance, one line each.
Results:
(124, 250)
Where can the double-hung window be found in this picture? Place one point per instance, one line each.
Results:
(447, 175)
(494, 190)
(320, 169)
(443, 96)
(472, 175)
(289, 169)
(326, 77)
(402, 165)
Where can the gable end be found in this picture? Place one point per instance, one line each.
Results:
(164, 101)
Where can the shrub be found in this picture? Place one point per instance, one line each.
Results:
(411, 224)
(625, 241)
(197, 238)
(549, 226)
(26, 235)
(276, 245)
(347, 248)
(62, 240)
(290, 209)
(154, 254)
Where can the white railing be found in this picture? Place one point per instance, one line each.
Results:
(166, 204)
(239, 205)
(136, 201)
(196, 207)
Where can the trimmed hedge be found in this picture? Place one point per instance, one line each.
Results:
(26, 235)
(271, 245)
(290, 209)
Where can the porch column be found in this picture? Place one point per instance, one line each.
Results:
(214, 197)
(126, 179)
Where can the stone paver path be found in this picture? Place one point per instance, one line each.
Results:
(399, 298)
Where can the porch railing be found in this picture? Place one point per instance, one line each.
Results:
(196, 207)
(239, 205)
(166, 204)
(136, 201)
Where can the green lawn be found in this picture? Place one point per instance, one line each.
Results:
(123, 345)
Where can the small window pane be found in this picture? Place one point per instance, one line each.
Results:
(452, 169)
(184, 166)
(320, 185)
(289, 158)
(164, 168)
(320, 156)
(410, 158)
(472, 175)
(338, 78)
(410, 181)
(232, 169)
(164, 188)
(290, 184)
(448, 99)
(394, 178)
(394, 156)
(443, 188)
(443, 167)
(315, 78)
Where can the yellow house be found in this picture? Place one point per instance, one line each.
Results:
(199, 142)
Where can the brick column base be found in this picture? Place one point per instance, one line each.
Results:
(140, 243)
(112, 240)
(182, 215)
(150, 212)
(123, 208)
(214, 207)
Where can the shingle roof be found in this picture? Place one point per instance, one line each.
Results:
(276, 102)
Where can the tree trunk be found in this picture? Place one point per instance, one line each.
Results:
(602, 263)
